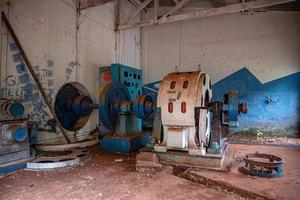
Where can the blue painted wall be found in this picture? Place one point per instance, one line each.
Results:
(272, 107)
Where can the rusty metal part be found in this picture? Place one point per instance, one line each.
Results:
(216, 141)
(63, 159)
(62, 147)
(35, 78)
(243, 107)
(263, 165)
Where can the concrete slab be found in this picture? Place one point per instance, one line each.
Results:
(147, 167)
(286, 187)
(184, 159)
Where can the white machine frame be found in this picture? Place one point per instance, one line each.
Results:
(184, 99)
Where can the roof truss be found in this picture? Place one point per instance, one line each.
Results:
(171, 16)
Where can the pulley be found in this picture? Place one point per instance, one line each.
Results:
(73, 106)
(143, 106)
(11, 108)
(110, 98)
(115, 98)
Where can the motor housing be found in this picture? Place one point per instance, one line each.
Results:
(184, 99)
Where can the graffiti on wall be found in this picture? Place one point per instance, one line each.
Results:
(71, 67)
(21, 86)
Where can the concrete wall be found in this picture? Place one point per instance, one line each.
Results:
(59, 54)
(265, 44)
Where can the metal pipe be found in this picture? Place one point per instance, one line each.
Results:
(29, 66)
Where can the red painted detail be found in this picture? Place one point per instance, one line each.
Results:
(170, 107)
(173, 83)
(107, 76)
(183, 107)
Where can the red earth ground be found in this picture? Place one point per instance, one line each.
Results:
(113, 176)
(285, 187)
(104, 176)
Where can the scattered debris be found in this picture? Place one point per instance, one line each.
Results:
(259, 134)
(147, 162)
(236, 159)
(262, 139)
(89, 178)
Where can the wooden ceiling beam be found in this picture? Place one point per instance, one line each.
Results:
(155, 10)
(92, 3)
(232, 8)
(174, 9)
(138, 10)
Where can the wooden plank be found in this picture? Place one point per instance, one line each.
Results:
(116, 14)
(135, 3)
(138, 2)
(137, 11)
(155, 10)
(92, 3)
(226, 10)
(210, 12)
(174, 9)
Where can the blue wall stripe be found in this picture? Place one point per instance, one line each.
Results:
(272, 107)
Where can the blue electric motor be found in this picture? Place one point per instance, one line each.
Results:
(120, 115)
(117, 112)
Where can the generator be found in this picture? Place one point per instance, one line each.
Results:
(14, 142)
(118, 113)
(184, 100)
(192, 124)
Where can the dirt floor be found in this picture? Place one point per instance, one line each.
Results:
(113, 176)
(104, 176)
(285, 187)
(240, 138)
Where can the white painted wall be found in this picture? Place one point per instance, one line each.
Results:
(47, 31)
(267, 43)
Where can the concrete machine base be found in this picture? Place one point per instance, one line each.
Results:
(208, 160)
(148, 160)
